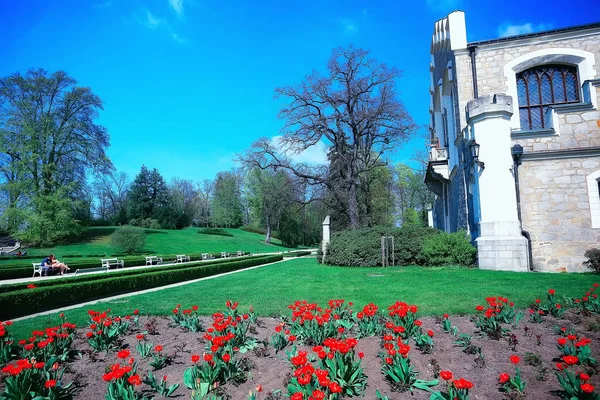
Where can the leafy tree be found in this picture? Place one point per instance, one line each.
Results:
(353, 108)
(51, 219)
(49, 141)
(269, 193)
(149, 197)
(413, 195)
(226, 202)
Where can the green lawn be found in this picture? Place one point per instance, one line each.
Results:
(272, 288)
(158, 241)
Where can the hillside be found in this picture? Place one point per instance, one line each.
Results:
(158, 241)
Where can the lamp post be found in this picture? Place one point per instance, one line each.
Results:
(475, 153)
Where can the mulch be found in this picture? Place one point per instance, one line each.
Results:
(272, 371)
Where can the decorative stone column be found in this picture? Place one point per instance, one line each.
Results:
(326, 235)
(500, 245)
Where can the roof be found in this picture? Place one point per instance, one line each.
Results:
(530, 35)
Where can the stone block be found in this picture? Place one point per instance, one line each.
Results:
(574, 119)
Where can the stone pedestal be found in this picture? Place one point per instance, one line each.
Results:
(326, 235)
(500, 245)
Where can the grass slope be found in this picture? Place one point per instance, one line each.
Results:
(272, 288)
(158, 241)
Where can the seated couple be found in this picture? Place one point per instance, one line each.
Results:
(51, 266)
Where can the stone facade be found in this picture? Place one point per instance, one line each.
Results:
(560, 164)
(556, 211)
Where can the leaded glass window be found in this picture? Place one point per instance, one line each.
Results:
(541, 87)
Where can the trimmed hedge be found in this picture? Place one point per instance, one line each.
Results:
(28, 301)
(25, 271)
(114, 273)
(414, 245)
(214, 231)
(449, 249)
(300, 253)
(259, 231)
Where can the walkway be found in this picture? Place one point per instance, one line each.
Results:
(87, 303)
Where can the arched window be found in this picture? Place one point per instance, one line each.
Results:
(543, 86)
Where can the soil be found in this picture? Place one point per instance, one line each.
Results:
(272, 371)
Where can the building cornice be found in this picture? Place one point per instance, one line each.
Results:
(563, 153)
(552, 34)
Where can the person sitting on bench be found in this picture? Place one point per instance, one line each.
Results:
(47, 267)
(57, 264)
(51, 266)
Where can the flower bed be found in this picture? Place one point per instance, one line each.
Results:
(330, 351)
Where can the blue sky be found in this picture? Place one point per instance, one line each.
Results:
(187, 84)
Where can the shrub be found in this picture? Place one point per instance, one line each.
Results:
(25, 271)
(449, 249)
(362, 247)
(27, 301)
(259, 231)
(121, 272)
(214, 231)
(129, 240)
(593, 260)
(148, 223)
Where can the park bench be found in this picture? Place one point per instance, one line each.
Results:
(37, 269)
(240, 253)
(151, 260)
(206, 256)
(224, 254)
(109, 262)
(182, 258)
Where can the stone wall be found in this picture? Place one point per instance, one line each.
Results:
(457, 199)
(556, 211)
(491, 59)
(438, 213)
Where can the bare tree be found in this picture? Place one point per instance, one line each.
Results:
(354, 109)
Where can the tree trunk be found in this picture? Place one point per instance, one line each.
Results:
(353, 205)
(268, 235)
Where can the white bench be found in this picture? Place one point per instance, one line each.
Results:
(37, 269)
(151, 260)
(109, 262)
(240, 253)
(206, 256)
(182, 258)
(224, 254)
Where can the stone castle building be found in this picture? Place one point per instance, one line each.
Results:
(515, 144)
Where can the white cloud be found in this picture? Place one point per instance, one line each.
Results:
(316, 154)
(443, 5)
(179, 39)
(149, 20)
(177, 5)
(349, 26)
(507, 29)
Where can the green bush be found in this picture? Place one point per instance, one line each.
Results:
(362, 247)
(149, 223)
(114, 273)
(25, 271)
(259, 231)
(300, 253)
(129, 240)
(214, 231)
(449, 249)
(27, 301)
(593, 260)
